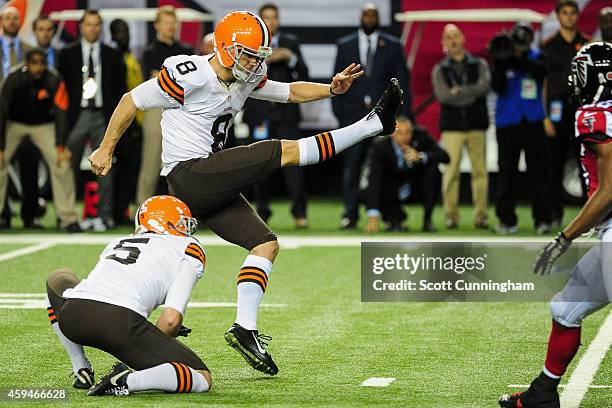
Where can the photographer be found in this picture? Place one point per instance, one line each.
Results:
(517, 76)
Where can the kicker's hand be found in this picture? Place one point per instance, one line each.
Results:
(342, 81)
(551, 252)
(183, 331)
(101, 161)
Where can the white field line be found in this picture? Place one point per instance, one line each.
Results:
(560, 386)
(38, 300)
(377, 382)
(582, 376)
(285, 241)
(25, 251)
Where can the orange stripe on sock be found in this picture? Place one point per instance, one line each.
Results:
(329, 144)
(253, 277)
(189, 384)
(256, 271)
(181, 385)
(323, 147)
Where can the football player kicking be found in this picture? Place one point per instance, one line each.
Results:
(200, 96)
(108, 310)
(590, 286)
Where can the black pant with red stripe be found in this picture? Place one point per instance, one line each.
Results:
(212, 188)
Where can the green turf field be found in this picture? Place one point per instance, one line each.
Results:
(326, 342)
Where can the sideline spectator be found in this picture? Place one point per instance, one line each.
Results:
(605, 23)
(162, 47)
(128, 147)
(44, 30)
(27, 155)
(382, 58)
(558, 52)
(398, 164)
(95, 78)
(270, 120)
(461, 82)
(207, 45)
(34, 102)
(517, 80)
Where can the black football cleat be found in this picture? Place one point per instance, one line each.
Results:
(388, 106)
(83, 379)
(251, 345)
(521, 400)
(113, 383)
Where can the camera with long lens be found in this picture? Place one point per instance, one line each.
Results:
(503, 45)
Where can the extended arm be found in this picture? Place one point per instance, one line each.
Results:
(102, 158)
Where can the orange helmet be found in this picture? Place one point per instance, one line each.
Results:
(241, 32)
(165, 215)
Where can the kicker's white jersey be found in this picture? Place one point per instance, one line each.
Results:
(198, 108)
(141, 272)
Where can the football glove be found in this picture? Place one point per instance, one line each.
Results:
(551, 252)
(183, 331)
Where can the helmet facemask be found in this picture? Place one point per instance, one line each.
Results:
(186, 225)
(240, 72)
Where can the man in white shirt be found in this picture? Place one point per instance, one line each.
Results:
(200, 96)
(158, 265)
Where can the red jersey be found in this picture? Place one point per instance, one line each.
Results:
(593, 126)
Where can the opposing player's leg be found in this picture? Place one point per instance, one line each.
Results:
(239, 223)
(315, 149)
(57, 282)
(583, 295)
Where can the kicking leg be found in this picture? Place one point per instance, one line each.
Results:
(315, 149)
(57, 282)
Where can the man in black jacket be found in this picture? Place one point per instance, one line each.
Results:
(382, 58)
(558, 52)
(269, 120)
(95, 80)
(398, 164)
(34, 103)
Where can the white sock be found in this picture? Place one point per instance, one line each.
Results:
(318, 148)
(169, 377)
(76, 353)
(252, 283)
(550, 375)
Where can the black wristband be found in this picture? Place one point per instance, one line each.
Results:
(332, 92)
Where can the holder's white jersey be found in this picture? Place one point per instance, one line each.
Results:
(141, 272)
(198, 108)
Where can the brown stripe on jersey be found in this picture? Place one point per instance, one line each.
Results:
(162, 81)
(196, 252)
(173, 84)
(331, 148)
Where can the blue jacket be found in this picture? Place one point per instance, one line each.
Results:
(519, 91)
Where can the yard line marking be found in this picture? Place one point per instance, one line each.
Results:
(25, 251)
(582, 376)
(21, 295)
(377, 382)
(285, 241)
(560, 386)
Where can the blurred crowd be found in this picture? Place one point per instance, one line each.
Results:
(55, 104)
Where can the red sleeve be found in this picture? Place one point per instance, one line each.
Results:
(594, 125)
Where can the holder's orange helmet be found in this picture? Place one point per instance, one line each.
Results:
(165, 215)
(241, 32)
